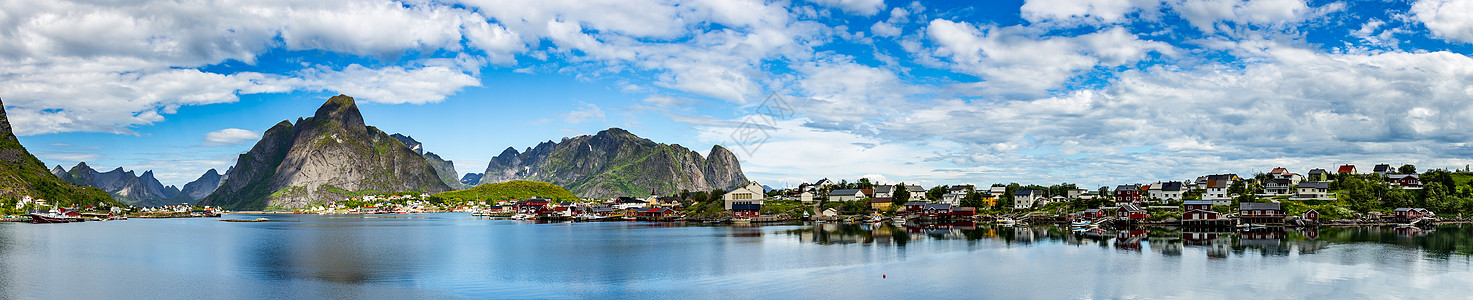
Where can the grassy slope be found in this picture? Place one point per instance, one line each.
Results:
(511, 190)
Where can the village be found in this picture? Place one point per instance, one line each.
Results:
(1279, 198)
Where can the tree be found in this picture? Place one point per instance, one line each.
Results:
(901, 194)
(864, 183)
(936, 192)
(1407, 169)
(973, 199)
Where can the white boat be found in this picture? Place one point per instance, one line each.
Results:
(898, 220)
(1080, 223)
(1006, 222)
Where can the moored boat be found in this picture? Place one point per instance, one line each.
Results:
(41, 217)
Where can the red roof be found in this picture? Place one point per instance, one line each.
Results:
(1347, 169)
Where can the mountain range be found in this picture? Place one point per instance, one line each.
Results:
(22, 175)
(615, 162)
(330, 156)
(444, 168)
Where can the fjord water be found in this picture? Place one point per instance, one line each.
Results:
(459, 256)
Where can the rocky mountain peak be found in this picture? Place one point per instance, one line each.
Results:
(343, 109)
(5, 125)
(409, 141)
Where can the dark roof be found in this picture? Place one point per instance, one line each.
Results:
(744, 206)
(915, 188)
(1171, 186)
(1258, 206)
(848, 192)
(1091, 210)
(1025, 192)
(937, 206)
(630, 200)
(1318, 171)
(1381, 168)
(884, 188)
(1127, 187)
(912, 203)
(1222, 177)
(1197, 202)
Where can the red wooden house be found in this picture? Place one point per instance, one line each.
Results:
(1191, 205)
(1198, 214)
(1413, 213)
(746, 210)
(1312, 215)
(1093, 213)
(1131, 212)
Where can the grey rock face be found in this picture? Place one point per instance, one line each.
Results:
(122, 185)
(615, 162)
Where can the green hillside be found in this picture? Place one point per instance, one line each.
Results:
(510, 190)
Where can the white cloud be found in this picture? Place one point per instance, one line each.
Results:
(394, 85)
(588, 113)
(1015, 60)
(1448, 19)
(1205, 15)
(230, 136)
(1105, 11)
(859, 7)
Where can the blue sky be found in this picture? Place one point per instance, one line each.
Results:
(1094, 92)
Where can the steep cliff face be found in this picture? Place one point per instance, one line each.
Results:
(124, 186)
(323, 158)
(22, 175)
(444, 168)
(615, 162)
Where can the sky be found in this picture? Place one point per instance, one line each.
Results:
(1092, 92)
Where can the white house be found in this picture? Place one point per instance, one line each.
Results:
(750, 194)
(846, 195)
(806, 197)
(955, 195)
(1024, 199)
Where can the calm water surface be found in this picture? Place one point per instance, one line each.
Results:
(443, 256)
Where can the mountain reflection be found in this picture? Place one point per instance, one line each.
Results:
(1436, 242)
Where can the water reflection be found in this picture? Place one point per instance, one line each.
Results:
(1217, 243)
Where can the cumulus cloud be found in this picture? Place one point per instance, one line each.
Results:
(859, 7)
(1103, 11)
(1448, 19)
(589, 112)
(230, 136)
(1016, 60)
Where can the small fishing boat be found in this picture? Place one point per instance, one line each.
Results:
(1080, 223)
(1006, 222)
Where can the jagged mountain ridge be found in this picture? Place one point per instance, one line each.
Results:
(124, 186)
(197, 190)
(615, 162)
(22, 175)
(321, 159)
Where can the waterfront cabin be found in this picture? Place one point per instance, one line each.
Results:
(655, 213)
(964, 211)
(937, 209)
(1200, 215)
(1311, 215)
(914, 207)
(1261, 213)
(1093, 213)
(881, 203)
(1191, 205)
(1409, 214)
(1130, 211)
(746, 210)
